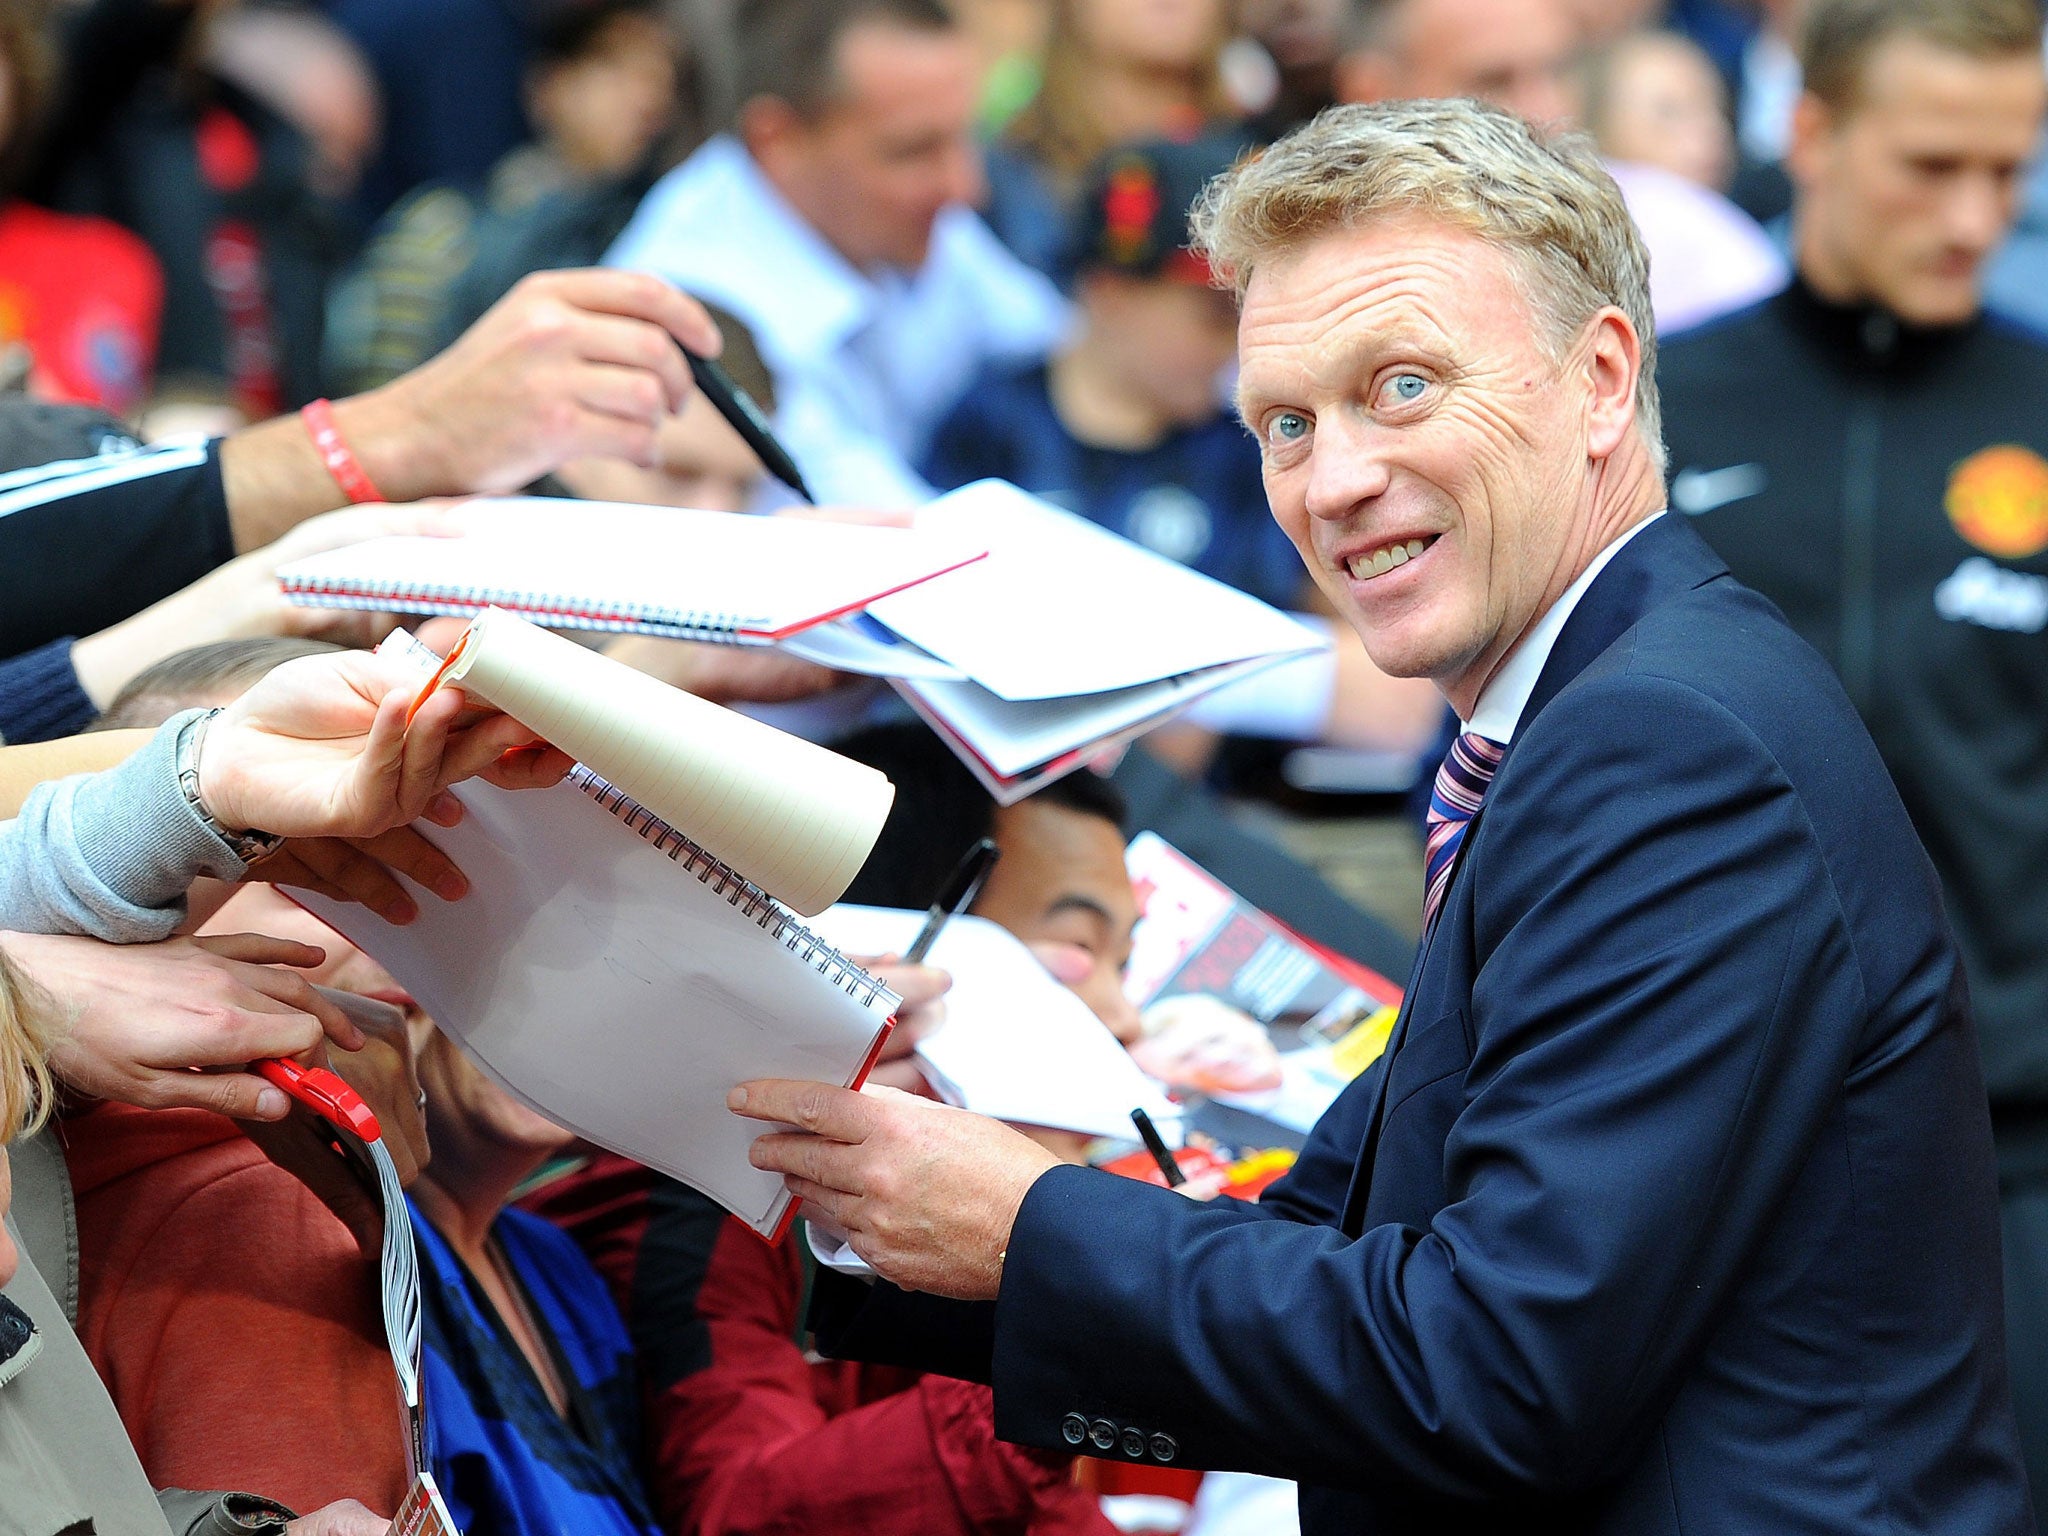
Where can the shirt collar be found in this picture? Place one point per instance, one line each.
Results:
(1498, 712)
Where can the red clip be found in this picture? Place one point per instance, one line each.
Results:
(325, 1094)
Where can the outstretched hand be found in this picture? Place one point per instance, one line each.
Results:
(321, 747)
(924, 1192)
(171, 1025)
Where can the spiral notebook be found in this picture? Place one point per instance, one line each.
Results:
(610, 566)
(617, 977)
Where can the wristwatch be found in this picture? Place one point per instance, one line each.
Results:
(245, 1514)
(250, 846)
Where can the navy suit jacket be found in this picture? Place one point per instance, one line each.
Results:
(1672, 1206)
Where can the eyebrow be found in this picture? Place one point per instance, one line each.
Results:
(1087, 904)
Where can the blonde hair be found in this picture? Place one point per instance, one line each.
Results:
(1061, 128)
(1546, 202)
(25, 1085)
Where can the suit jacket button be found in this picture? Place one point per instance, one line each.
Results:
(1074, 1429)
(1102, 1435)
(1133, 1443)
(1164, 1448)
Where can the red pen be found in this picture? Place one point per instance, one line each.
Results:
(324, 1093)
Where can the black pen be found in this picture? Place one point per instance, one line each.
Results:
(1156, 1145)
(738, 407)
(958, 896)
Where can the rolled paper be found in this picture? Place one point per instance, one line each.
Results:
(785, 813)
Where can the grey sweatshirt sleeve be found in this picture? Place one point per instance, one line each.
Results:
(110, 854)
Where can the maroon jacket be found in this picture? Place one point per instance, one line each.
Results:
(747, 1432)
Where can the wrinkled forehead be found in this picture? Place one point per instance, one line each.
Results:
(1401, 283)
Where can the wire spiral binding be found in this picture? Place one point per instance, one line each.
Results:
(557, 609)
(739, 892)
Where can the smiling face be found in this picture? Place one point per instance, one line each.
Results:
(1433, 464)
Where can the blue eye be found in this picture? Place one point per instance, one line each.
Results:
(1407, 386)
(1288, 427)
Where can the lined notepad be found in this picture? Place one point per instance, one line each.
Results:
(646, 570)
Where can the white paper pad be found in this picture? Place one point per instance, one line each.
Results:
(1016, 1045)
(600, 982)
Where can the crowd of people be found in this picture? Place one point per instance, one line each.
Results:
(281, 276)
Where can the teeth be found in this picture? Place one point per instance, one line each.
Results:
(1380, 561)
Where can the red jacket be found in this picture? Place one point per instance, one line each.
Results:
(748, 1433)
(233, 1316)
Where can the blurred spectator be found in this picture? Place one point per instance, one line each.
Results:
(1601, 22)
(1114, 71)
(1707, 257)
(1303, 38)
(1127, 423)
(451, 74)
(535, 1426)
(1010, 36)
(220, 185)
(835, 223)
(307, 71)
(1869, 451)
(601, 91)
(1655, 98)
(81, 297)
(1767, 88)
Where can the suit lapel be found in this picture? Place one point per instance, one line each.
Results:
(1664, 560)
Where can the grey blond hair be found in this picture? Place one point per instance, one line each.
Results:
(1547, 203)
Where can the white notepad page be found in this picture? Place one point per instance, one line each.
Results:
(598, 981)
(1015, 1044)
(1063, 607)
(613, 566)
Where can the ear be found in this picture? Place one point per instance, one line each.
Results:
(1813, 128)
(1365, 74)
(771, 130)
(1614, 362)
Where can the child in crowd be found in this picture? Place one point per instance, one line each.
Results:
(1113, 72)
(1128, 425)
(1655, 98)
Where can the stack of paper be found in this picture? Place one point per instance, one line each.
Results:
(1066, 639)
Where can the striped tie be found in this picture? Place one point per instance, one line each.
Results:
(1460, 786)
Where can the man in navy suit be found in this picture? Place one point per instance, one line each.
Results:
(1672, 1206)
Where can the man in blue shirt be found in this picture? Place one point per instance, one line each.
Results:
(1128, 425)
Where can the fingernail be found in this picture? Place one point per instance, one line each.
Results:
(401, 911)
(451, 887)
(737, 1099)
(271, 1104)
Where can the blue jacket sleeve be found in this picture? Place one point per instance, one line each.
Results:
(40, 696)
(1663, 976)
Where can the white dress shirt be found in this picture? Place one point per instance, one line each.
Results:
(866, 363)
(1498, 712)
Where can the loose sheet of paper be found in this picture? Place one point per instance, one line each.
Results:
(1062, 607)
(790, 816)
(1016, 1044)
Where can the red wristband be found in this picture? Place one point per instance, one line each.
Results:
(355, 484)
